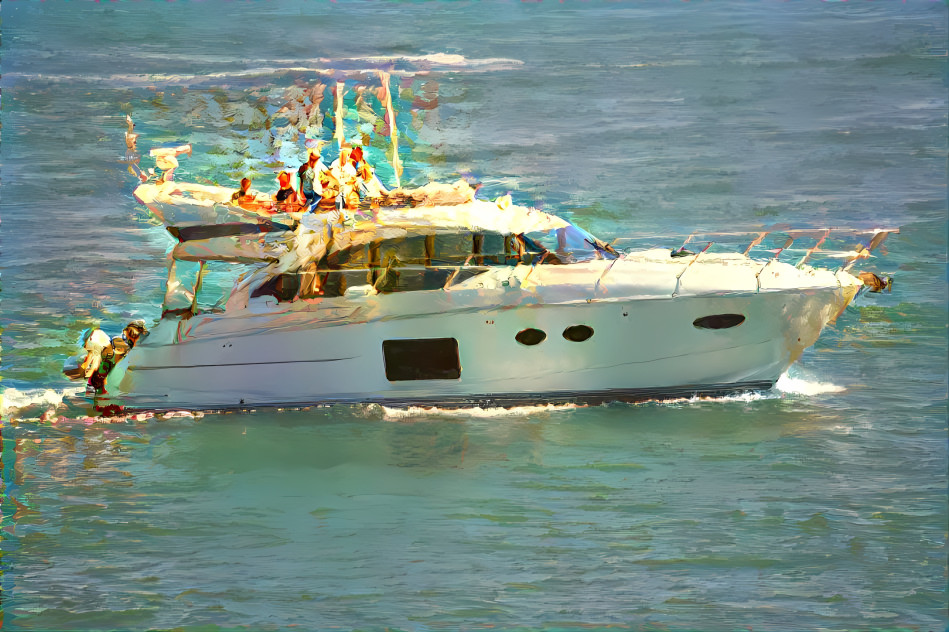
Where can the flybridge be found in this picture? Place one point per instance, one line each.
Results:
(316, 257)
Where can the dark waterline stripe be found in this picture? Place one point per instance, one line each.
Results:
(480, 400)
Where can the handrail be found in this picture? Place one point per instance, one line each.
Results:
(878, 238)
(393, 130)
(758, 276)
(767, 230)
(787, 244)
(821, 235)
(756, 241)
(813, 249)
(454, 274)
(675, 292)
(339, 132)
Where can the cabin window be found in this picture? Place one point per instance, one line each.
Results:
(530, 337)
(571, 244)
(718, 321)
(419, 263)
(212, 281)
(578, 333)
(282, 287)
(421, 359)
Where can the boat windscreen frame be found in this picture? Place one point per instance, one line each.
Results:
(571, 239)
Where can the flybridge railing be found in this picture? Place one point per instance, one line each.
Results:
(820, 246)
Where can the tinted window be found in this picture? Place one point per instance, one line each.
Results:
(718, 321)
(530, 337)
(578, 333)
(421, 359)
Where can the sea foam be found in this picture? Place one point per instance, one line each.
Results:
(415, 412)
(14, 401)
(801, 386)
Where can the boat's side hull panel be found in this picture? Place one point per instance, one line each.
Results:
(639, 349)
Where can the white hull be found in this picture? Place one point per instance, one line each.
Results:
(332, 350)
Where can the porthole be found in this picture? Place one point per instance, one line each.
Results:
(530, 337)
(718, 321)
(578, 333)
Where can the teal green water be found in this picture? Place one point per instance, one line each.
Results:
(775, 513)
(821, 505)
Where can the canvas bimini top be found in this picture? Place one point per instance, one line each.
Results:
(316, 235)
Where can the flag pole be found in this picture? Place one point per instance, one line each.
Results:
(339, 134)
(393, 131)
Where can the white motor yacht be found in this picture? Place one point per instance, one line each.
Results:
(468, 302)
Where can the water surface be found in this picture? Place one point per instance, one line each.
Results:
(820, 505)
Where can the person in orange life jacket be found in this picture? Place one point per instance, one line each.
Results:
(286, 196)
(244, 193)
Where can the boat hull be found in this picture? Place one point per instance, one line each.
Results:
(337, 352)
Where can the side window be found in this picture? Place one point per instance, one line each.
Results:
(718, 321)
(421, 359)
(578, 333)
(530, 337)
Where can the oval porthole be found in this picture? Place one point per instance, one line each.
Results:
(530, 337)
(718, 321)
(578, 333)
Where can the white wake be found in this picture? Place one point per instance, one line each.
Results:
(800, 386)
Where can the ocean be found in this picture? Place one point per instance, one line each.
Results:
(819, 505)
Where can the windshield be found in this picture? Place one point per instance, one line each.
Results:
(572, 243)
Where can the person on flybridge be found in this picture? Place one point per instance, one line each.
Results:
(341, 186)
(286, 196)
(330, 192)
(369, 185)
(344, 171)
(357, 179)
(243, 192)
(309, 173)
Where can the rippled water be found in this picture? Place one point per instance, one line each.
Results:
(819, 505)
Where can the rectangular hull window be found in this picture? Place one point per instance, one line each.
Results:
(421, 359)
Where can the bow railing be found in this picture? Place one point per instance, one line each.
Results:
(846, 246)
